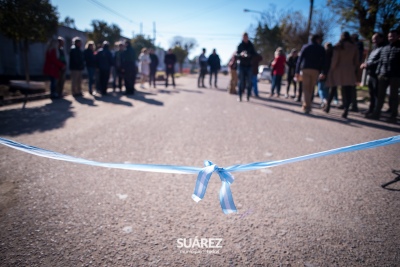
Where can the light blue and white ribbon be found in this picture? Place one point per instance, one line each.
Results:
(204, 174)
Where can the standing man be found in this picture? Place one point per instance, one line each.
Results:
(104, 62)
(371, 66)
(128, 68)
(170, 61)
(311, 63)
(203, 69)
(215, 65)
(245, 53)
(389, 75)
(153, 67)
(76, 66)
(62, 58)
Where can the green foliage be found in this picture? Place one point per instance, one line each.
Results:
(28, 20)
(181, 54)
(185, 43)
(367, 16)
(140, 41)
(68, 22)
(103, 32)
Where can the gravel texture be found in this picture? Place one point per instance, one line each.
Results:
(329, 211)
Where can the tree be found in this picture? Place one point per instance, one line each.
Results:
(181, 54)
(27, 21)
(103, 32)
(68, 22)
(367, 16)
(294, 32)
(185, 43)
(388, 16)
(140, 41)
(268, 34)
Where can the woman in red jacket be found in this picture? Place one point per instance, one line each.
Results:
(52, 67)
(278, 69)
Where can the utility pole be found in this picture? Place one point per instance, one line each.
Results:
(310, 18)
(154, 33)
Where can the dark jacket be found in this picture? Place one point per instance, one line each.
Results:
(249, 48)
(104, 59)
(389, 63)
(76, 59)
(154, 61)
(312, 56)
(169, 61)
(373, 61)
(291, 63)
(89, 58)
(214, 62)
(255, 61)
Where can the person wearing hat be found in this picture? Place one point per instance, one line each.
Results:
(388, 73)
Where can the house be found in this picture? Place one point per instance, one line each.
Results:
(11, 58)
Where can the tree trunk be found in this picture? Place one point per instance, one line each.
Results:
(180, 67)
(25, 49)
(310, 18)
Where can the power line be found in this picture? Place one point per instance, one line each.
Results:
(111, 10)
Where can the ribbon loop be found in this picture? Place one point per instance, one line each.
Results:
(225, 193)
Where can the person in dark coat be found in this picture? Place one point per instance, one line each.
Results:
(90, 64)
(76, 66)
(170, 61)
(128, 68)
(215, 65)
(203, 69)
(388, 72)
(153, 68)
(104, 62)
(245, 53)
(371, 66)
(291, 69)
(311, 62)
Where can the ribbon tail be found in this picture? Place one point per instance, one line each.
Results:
(202, 182)
(226, 199)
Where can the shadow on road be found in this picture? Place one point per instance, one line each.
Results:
(37, 119)
(141, 96)
(85, 101)
(353, 119)
(113, 99)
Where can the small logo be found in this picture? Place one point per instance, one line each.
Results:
(199, 245)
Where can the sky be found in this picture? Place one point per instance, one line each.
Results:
(215, 24)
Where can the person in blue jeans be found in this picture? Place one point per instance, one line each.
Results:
(245, 53)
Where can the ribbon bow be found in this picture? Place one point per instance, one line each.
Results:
(225, 193)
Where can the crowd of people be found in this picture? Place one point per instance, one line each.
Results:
(328, 67)
(122, 63)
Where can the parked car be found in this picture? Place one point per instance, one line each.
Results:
(264, 73)
(224, 69)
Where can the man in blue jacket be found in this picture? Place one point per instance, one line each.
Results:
(311, 62)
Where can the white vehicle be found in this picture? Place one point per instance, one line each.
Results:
(264, 73)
